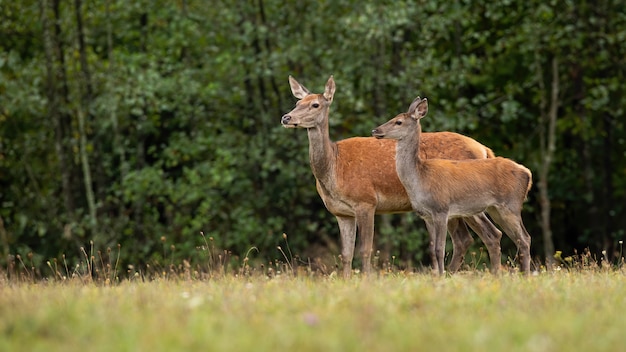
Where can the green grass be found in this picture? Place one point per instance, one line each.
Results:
(470, 311)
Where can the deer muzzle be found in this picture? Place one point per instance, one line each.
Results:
(377, 133)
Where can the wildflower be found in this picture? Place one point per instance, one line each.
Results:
(310, 319)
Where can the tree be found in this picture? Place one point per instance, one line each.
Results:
(144, 123)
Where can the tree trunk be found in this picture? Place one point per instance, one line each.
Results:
(118, 141)
(608, 242)
(84, 159)
(140, 154)
(4, 240)
(548, 148)
(54, 94)
(268, 48)
(84, 84)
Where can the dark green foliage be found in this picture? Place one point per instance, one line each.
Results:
(183, 100)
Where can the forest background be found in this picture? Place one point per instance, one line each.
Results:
(141, 124)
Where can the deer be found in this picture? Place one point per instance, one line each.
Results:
(442, 189)
(356, 179)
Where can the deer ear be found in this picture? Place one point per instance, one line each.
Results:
(298, 90)
(421, 109)
(414, 104)
(329, 91)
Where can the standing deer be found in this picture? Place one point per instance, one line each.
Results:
(356, 179)
(442, 189)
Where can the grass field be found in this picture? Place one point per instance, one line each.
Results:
(470, 311)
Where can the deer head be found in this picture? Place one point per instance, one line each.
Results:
(403, 124)
(311, 109)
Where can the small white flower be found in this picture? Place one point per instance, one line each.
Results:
(195, 301)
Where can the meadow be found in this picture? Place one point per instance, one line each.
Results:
(556, 310)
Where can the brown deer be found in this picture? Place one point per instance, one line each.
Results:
(442, 189)
(356, 179)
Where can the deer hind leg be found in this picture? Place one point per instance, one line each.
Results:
(365, 227)
(511, 222)
(461, 241)
(491, 237)
(347, 230)
(437, 229)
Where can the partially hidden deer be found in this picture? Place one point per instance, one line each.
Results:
(443, 189)
(356, 179)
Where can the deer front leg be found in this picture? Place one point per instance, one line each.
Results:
(347, 230)
(437, 228)
(461, 241)
(365, 228)
(432, 240)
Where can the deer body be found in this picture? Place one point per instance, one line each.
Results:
(356, 178)
(442, 189)
(363, 171)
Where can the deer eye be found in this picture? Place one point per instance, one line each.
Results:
(398, 122)
(315, 105)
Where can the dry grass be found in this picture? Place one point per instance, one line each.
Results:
(97, 306)
(558, 310)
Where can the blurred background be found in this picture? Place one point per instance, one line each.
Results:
(141, 124)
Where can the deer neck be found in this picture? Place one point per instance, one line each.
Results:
(322, 152)
(408, 162)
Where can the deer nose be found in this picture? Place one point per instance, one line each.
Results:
(285, 119)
